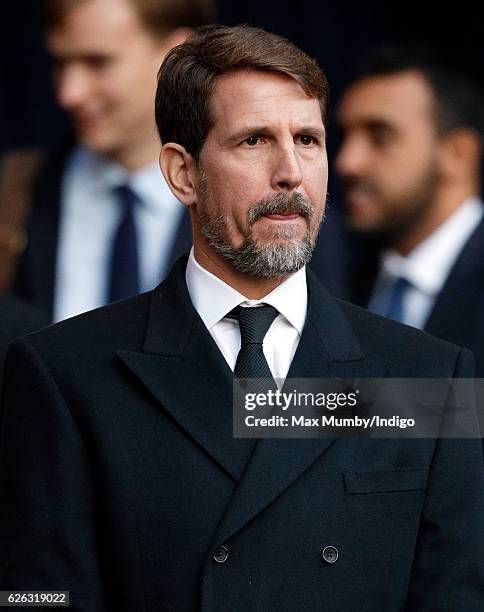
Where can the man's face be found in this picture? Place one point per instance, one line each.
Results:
(388, 157)
(263, 175)
(105, 76)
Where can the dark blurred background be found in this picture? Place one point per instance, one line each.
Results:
(336, 33)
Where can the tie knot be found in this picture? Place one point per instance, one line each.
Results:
(127, 198)
(254, 322)
(400, 284)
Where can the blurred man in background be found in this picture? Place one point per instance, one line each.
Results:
(410, 163)
(103, 226)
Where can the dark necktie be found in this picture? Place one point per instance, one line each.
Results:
(254, 324)
(395, 302)
(124, 275)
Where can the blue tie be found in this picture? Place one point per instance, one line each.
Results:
(394, 308)
(124, 275)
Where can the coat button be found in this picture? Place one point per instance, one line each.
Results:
(221, 554)
(330, 554)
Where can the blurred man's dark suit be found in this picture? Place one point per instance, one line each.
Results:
(122, 480)
(35, 280)
(458, 312)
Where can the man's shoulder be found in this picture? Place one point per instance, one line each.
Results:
(468, 268)
(66, 160)
(98, 334)
(17, 314)
(18, 318)
(407, 351)
(55, 161)
(103, 330)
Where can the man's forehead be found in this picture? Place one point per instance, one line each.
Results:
(95, 23)
(245, 96)
(386, 96)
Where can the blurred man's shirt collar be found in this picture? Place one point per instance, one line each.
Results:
(428, 266)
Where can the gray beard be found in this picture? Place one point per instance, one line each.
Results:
(265, 260)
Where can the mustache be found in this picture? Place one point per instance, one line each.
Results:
(361, 184)
(281, 204)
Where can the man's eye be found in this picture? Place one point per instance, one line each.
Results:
(252, 140)
(381, 136)
(98, 63)
(306, 139)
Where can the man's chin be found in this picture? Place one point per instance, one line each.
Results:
(279, 232)
(92, 139)
(272, 259)
(262, 252)
(286, 245)
(363, 225)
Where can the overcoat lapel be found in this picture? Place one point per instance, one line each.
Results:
(327, 349)
(184, 370)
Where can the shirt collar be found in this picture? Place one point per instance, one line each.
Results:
(213, 298)
(429, 264)
(105, 175)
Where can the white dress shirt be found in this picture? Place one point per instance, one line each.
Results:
(89, 217)
(213, 299)
(428, 265)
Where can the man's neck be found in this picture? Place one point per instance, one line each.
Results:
(253, 288)
(134, 158)
(446, 204)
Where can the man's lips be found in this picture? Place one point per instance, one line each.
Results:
(86, 120)
(283, 217)
(359, 195)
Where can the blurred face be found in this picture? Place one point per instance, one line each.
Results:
(263, 175)
(388, 159)
(105, 76)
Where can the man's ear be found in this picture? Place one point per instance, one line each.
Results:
(460, 153)
(180, 170)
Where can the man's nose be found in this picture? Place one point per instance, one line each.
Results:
(72, 86)
(287, 172)
(351, 157)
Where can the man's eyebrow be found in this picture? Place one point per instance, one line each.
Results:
(80, 56)
(371, 123)
(247, 131)
(379, 124)
(312, 130)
